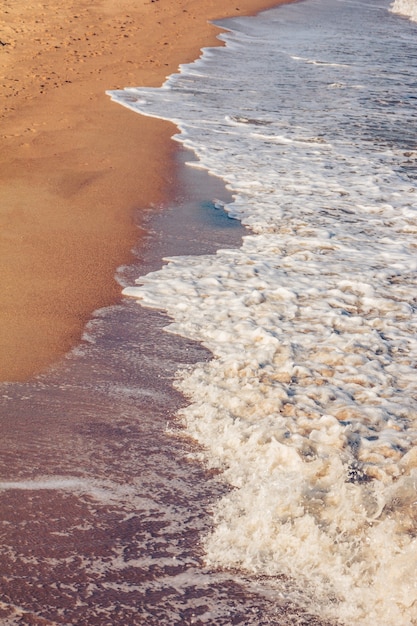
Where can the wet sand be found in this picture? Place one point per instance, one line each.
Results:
(74, 167)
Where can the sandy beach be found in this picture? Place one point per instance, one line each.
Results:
(76, 167)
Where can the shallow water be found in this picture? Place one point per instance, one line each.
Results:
(309, 407)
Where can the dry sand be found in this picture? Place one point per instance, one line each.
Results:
(75, 166)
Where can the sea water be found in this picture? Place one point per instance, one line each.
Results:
(309, 404)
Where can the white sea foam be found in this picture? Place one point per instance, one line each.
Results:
(408, 8)
(309, 405)
(105, 492)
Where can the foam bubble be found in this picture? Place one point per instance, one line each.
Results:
(407, 8)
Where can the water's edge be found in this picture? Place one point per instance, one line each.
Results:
(103, 510)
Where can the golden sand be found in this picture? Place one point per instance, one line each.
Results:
(74, 166)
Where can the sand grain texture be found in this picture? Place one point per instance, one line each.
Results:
(74, 166)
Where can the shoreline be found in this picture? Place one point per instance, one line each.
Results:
(75, 166)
